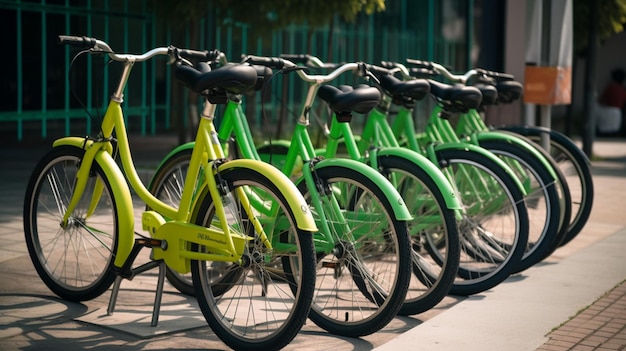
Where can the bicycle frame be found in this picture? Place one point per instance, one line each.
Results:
(166, 222)
(471, 124)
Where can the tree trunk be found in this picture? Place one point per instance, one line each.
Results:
(589, 125)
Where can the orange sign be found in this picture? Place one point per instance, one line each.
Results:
(548, 85)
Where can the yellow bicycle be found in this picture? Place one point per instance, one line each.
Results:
(79, 221)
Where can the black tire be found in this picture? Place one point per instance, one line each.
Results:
(349, 301)
(576, 167)
(75, 262)
(433, 225)
(547, 200)
(494, 230)
(276, 297)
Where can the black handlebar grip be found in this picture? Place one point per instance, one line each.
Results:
(497, 75)
(81, 42)
(387, 64)
(296, 58)
(273, 62)
(199, 55)
(378, 70)
(420, 63)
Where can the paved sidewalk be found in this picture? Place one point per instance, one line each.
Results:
(601, 326)
(572, 301)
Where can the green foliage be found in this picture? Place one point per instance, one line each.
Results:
(611, 20)
(264, 15)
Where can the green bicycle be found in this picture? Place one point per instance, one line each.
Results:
(493, 225)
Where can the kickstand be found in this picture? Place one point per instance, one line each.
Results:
(129, 273)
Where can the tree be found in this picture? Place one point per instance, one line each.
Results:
(611, 17)
(594, 22)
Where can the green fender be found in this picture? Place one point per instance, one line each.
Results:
(513, 139)
(121, 193)
(486, 153)
(400, 211)
(452, 202)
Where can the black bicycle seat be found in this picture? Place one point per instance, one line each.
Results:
(404, 91)
(344, 100)
(509, 91)
(489, 92)
(235, 78)
(455, 98)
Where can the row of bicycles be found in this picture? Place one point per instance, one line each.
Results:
(373, 224)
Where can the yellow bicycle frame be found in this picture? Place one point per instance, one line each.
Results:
(177, 230)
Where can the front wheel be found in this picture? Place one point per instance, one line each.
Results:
(433, 229)
(75, 261)
(266, 299)
(363, 261)
(494, 228)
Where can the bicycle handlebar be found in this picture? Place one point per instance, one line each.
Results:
(460, 78)
(284, 63)
(96, 45)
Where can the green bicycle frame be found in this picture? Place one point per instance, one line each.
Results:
(438, 136)
(472, 125)
(382, 146)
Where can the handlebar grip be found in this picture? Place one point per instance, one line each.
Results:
(378, 70)
(423, 73)
(81, 42)
(272, 62)
(296, 58)
(203, 55)
(497, 75)
(420, 63)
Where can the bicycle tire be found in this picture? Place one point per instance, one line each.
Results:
(433, 224)
(494, 230)
(577, 170)
(363, 280)
(75, 262)
(547, 201)
(276, 295)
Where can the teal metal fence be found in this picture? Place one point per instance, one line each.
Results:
(41, 94)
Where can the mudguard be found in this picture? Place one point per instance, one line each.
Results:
(452, 202)
(514, 139)
(400, 211)
(486, 153)
(121, 192)
(538, 131)
(304, 219)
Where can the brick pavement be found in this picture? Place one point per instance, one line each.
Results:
(601, 326)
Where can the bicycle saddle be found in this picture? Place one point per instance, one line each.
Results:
(509, 91)
(232, 78)
(489, 92)
(404, 92)
(455, 98)
(344, 100)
